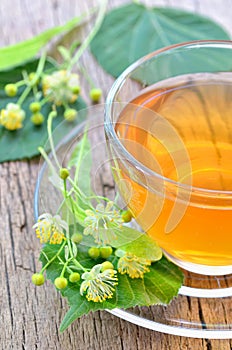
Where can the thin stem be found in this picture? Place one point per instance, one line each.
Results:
(44, 100)
(74, 46)
(53, 258)
(65, 189)
(87, 77)
(79, 265)
(72, 210)
(78, 192)
(60, 206)
(49, 129)
(20, 83)
(67, 262)
(85, 44)
(64, 267)
(35, 92)
(46, 158)
(40, 68)
(80, 155)
(24, 95)
(30, 84)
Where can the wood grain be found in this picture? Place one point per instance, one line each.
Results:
(30, 316)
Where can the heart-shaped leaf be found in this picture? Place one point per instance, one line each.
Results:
(158, 286)
(132, 31)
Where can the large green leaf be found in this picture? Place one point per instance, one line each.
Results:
(144, 247)
(16, 54)
(24, 143)
(158, 286)
(132, 31)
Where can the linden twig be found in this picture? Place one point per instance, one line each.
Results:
(97, 25)
(87, 77)
(53, 258)
(50, 138)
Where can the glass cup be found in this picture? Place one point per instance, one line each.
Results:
(168, 126)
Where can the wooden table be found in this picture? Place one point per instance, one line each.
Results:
(30, 316)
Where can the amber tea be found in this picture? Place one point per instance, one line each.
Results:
(195, 150)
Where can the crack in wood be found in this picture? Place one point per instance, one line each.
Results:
(8, 294)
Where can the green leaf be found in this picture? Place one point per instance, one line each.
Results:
(16, 54)
(24, 143)
(125, 235)
(132, 31)
(143, 247)
(164, 280)
(159, 286)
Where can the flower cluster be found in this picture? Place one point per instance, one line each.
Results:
(102, 222)
(99, 285)
(61, 87)
(133, 265)
(50, 228)
(12, 116)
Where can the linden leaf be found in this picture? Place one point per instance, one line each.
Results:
(158, 287)
(125, 235)
(143, 247)
(132, 31)
(136, 242)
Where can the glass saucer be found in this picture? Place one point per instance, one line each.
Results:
(203, 308)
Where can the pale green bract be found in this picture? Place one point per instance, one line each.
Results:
(28, 49)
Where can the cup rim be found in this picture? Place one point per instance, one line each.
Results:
(109, 125)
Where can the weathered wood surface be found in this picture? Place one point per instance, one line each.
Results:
(30, 316)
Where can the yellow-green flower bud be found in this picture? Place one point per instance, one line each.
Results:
(35, 107)
(70, 114)
(33, 78)
(76, 89)
(127, 216)
(74, 277)
(94, 252)
(38, 279)
(105, 252)
(64, 173)
(95, 94)
(11, 90)
(37, 118)
(76, 238)
(106, 265)
(61, 282)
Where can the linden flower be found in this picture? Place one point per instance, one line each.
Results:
(59, 87)
(98, 223)
(50, 228)
(11, 117)
(134, 266)
(98, 285)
